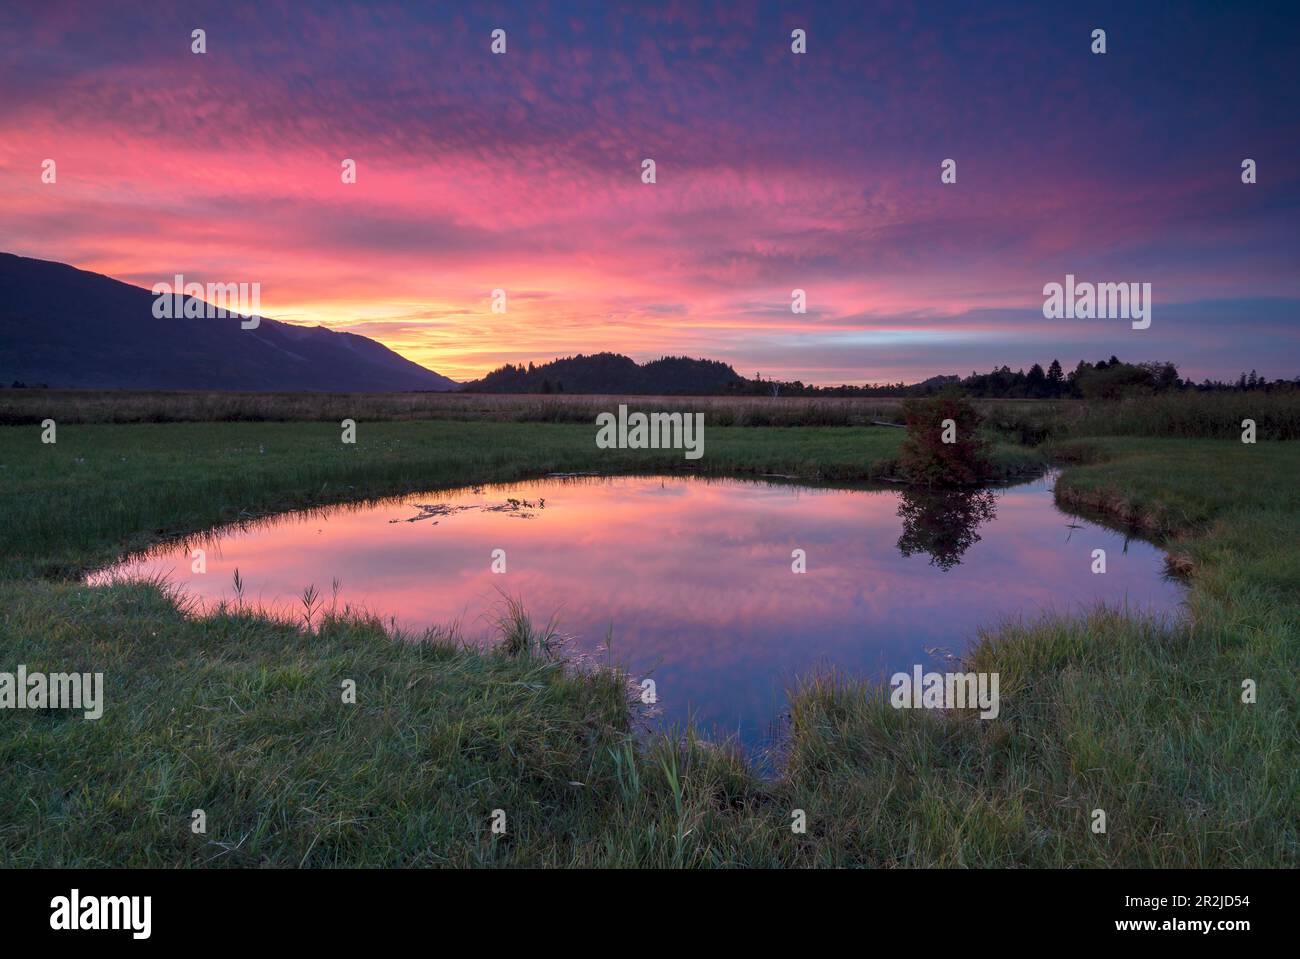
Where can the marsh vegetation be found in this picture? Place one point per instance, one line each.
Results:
(239, 713)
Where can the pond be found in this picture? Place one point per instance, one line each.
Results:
(695, 577)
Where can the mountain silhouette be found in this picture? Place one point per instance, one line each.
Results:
(64, 327)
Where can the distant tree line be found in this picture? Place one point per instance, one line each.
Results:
(1105, 379)
(681, 375)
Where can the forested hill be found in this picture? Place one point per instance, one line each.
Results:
(612, 373)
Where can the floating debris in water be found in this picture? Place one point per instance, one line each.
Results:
(521, 508)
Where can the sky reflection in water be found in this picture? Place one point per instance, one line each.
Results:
(695, 575)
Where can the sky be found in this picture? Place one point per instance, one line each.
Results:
(774, 171)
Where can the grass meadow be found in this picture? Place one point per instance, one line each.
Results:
(1183, 414)
(239, 713)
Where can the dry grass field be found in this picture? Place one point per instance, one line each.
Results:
(28, 406)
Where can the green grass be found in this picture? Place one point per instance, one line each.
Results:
(241, 715)
(1183, 414)
(104, 487)
(1276, 415)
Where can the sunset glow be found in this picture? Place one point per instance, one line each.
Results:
(774, 172)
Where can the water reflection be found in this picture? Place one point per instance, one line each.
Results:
(694, 576)
(943, 523)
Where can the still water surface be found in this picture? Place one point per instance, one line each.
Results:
(694, 575)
